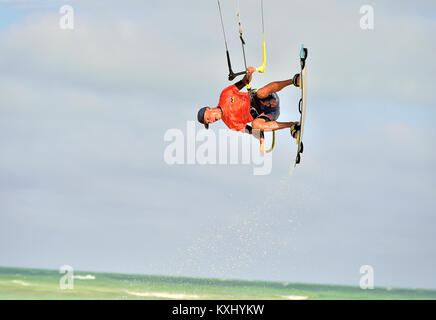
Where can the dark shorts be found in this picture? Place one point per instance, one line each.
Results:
(268, 108)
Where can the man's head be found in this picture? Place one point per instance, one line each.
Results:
(208, 115)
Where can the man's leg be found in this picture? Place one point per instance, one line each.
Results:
(276, 86)
(263, 125)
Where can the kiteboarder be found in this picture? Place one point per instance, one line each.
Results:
(261, 107)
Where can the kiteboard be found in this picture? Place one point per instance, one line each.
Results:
(302, 102)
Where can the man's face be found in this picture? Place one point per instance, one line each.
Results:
(211, 115)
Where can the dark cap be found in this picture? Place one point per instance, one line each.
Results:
(200, 117)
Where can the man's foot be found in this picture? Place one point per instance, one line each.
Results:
(296, 80)
(295, 130)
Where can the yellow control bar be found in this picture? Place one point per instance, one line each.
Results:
(262, 67)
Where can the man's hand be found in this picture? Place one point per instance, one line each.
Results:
(262, 145)
(258, 134)
(250, 71)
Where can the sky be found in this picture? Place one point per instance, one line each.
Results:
(84, 113)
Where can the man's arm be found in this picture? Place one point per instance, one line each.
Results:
(259, 135)
(248, 129)
(247, 78)
(255, 132)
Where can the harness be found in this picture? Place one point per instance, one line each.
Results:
(255, 109)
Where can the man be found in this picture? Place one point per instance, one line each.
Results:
(260, 107)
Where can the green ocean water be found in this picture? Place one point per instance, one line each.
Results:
(18, 283)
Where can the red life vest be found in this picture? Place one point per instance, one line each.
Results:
(236, 108)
